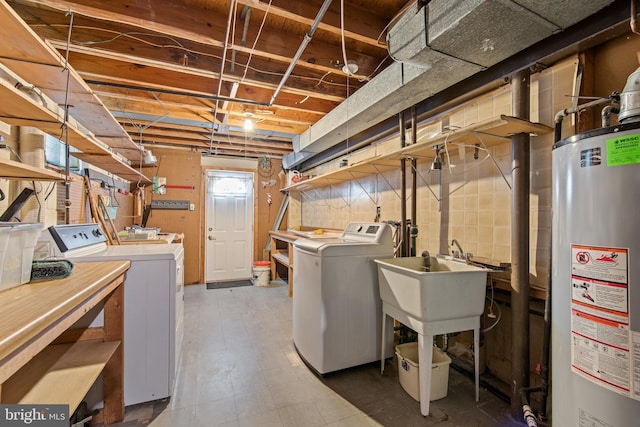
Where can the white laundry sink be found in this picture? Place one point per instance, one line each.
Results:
(451, 289)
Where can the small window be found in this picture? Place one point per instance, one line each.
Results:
(228, 185)
(54, 154)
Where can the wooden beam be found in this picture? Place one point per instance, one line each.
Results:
(195, 24)
(360, 24)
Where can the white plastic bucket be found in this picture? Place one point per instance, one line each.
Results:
(261, 273)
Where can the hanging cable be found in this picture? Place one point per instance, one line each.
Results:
(65, 127)
(222, 64)
(255, 42)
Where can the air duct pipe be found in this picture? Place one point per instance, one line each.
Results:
(520, 89)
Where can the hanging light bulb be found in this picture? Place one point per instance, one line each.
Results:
(248, 124)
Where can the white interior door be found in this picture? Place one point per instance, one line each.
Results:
(229, 226)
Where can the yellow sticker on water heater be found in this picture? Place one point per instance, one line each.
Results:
(623, 150)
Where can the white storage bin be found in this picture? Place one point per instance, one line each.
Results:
(4, 244)
(409, 371)
(16, 265)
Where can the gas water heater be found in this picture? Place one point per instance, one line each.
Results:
(596, 273)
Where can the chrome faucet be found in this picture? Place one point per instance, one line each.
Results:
(459, 253)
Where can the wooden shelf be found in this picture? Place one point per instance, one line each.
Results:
(369, 167)
(17, 108)
(40, 64)
(282, 258)
(92, 128)
(20, 171)
(114, 165)
(490, 132)
(60, 374)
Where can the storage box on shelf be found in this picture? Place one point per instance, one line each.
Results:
(20, 239)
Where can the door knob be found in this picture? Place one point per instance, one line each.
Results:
(211, 238)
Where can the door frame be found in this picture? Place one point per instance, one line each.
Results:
(203, 211)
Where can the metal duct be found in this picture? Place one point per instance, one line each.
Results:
(483, 32)
(395, 89)
(440, 44)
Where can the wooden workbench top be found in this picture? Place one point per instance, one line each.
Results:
(293, 235)
(28, 310)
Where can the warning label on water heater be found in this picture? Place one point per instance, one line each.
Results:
(601, 348)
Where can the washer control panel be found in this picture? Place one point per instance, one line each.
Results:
(75, 236)
(373, 232)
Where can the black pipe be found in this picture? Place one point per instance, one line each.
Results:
(414, 185)
(520, 89)
(546, 345)
(403, 187)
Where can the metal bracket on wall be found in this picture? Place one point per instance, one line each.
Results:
(170, 204)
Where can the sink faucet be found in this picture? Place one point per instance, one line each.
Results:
(459, 253)
(426, 260)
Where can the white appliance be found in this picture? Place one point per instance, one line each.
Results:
(336, 300)
(153, 303)
(596, 278)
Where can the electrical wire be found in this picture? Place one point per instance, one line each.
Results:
(342, 43)
(194, 53)
(255, 42)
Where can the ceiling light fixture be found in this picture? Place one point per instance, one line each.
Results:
(248, 125)
(350, 68)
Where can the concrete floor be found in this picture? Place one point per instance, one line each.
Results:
(239, 368)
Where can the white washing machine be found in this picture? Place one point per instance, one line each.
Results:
(153, 303)
(336, 301)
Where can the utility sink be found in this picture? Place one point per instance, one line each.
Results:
(446, 299)
(451, 289)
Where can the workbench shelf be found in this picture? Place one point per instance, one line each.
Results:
(46, 359)
(60, 374)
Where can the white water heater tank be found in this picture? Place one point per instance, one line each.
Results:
(596, 279)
